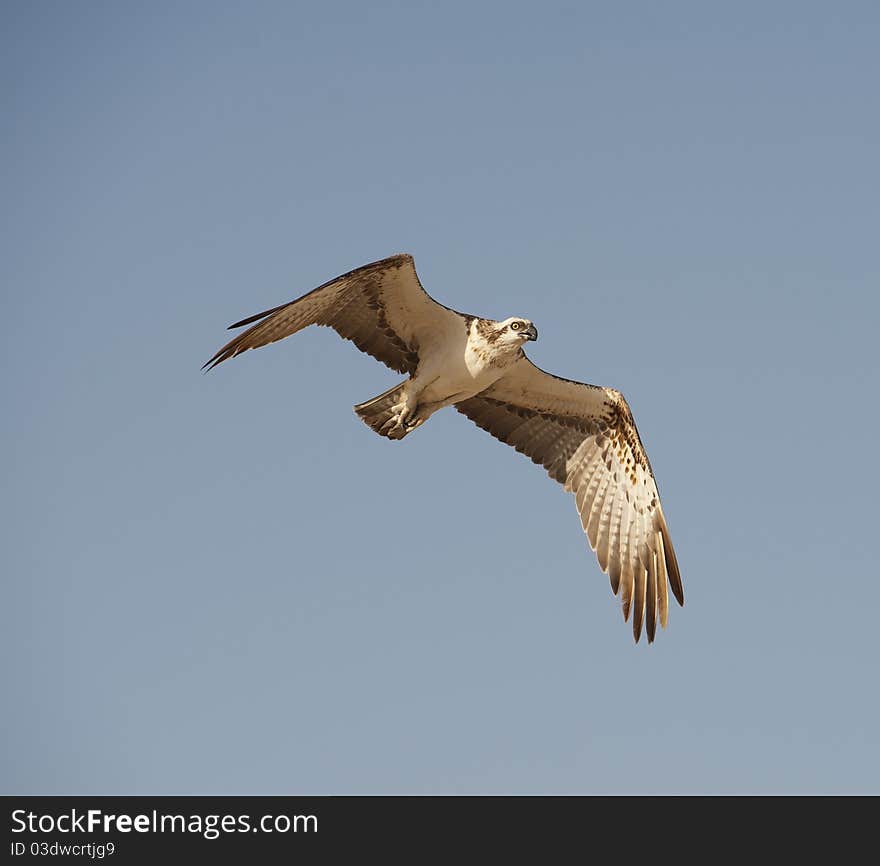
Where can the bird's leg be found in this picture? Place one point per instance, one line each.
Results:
(396, 427)
(417, 418)
(407, 413)
(425, 410)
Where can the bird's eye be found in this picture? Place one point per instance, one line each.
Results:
(515, 326)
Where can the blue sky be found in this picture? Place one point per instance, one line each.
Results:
(226, 583)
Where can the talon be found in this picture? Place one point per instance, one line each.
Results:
(399, 423)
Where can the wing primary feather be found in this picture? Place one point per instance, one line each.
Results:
(256, 317)
(614, 575)
(630, 564)
(626, 601)
(662, 587)
(589, 485)
(621, 553)
(578, 465)
(626, 589)
(651, 599)
(596, 509)
(639, 601)
(607, 524)
(671, 562)
(602, 541)
(615, 541)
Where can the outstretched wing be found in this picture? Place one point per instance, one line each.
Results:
(587, 440)
(381, 307)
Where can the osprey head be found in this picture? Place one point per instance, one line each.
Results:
(515, 331)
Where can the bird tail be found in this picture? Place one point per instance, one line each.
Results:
(377, 413)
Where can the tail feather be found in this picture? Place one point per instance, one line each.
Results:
(376, 413)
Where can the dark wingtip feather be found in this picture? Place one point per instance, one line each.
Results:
(224, 353)
(614, 575)
(215, 360)
(651, 602)
(638, 602)
(672, 571)
(250, 319)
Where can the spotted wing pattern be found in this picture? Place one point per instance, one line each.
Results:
(586, 439)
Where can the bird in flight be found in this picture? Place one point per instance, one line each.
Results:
(583, 435)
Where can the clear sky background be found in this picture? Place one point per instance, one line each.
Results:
(226, 583)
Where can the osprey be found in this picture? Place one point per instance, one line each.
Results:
(583, 435)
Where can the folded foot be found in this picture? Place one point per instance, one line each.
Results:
(403, 420)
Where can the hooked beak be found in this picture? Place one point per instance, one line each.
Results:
(531, 332)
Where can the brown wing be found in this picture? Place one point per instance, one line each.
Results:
(586, 439)
(381, 307)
